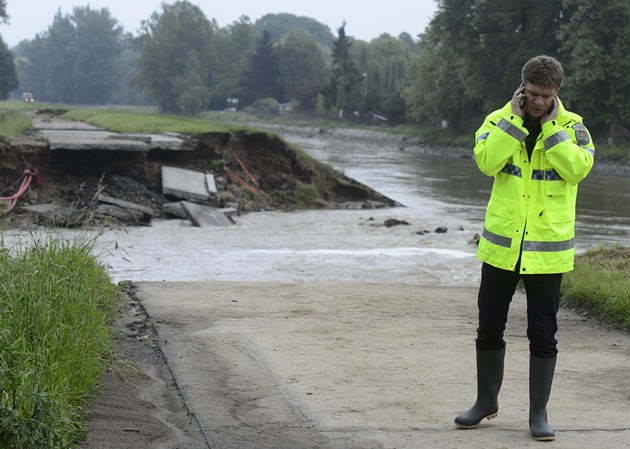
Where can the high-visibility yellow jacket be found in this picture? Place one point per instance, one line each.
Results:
(531, 212)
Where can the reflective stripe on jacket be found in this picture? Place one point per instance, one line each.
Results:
(532, 205)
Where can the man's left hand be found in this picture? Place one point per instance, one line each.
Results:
(552, 114)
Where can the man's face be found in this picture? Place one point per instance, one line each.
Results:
(538, 99)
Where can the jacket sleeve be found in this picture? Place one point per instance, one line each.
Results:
(570, 151)
(497, 139)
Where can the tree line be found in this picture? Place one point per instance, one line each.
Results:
(184, 62)
(473, 50)
(464, 65)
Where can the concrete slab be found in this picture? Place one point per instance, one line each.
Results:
(204, 216)
(267, 365)
(126, 204)
(211, 184)
(82, 140)
(186, 184)
(65, 134)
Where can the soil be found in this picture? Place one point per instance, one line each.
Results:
(286, 178)
(139, 404)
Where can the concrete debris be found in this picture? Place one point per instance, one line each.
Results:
(126, 205)
(55, 215)
(203, 216)
(174, 209)
(186, 184)
(124, 211)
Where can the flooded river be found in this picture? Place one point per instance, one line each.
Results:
(342, 245)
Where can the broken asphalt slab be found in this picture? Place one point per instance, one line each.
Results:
(342, 365)
(64, 134)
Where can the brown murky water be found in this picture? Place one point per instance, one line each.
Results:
(341, 245)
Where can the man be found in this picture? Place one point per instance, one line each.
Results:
(537, 152)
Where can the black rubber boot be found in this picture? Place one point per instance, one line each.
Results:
(489, 379)
(540, 378)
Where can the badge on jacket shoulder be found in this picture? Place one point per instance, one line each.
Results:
(581, 134)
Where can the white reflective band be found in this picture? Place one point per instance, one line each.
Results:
(548, 247)
(558, 137)
(512, 130)
(590, 150)
(498, 240)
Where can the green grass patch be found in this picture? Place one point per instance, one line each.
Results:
(56, 306)
(13, 123)
(133, 122)
(612, 153)
(601, 283)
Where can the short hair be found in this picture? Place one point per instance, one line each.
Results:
(543, 70)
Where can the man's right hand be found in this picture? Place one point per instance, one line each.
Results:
(518, 101)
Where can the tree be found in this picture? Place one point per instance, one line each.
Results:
(3, 11)
(165, 43)
(596, 46)
(279, 25)
(31, 65)
(98, 49)
(260, 77)
(231, 47)
(60, 58)
(8, 76)
(193, 95)
(384, 62)
(302, 67)
(477, 49)
(343, 90)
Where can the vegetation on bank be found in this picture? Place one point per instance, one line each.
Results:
(13, 123)
(127, 122)
(56, 307)
(600, 282)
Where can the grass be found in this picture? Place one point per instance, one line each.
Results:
(127, 122)
(13, 123)
(601, 283)
(56, 307)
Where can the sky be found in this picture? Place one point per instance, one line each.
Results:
(365, 19)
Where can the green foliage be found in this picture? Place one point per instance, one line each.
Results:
(165, 45)
(306, 195)
(231, 46)
(343, 90)
(192, 93)
(267, 106)
(302, 68)
(56, 304)
(97, 55)
(472, 54)
(384, 63)
(596, 45)
(8, 75)
(13, 123)
(260, 76)
(601, 282)
(77, 60)
(279, 25)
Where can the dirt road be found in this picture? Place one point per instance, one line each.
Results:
(349, 366)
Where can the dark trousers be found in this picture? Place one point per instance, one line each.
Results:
(543, 299)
